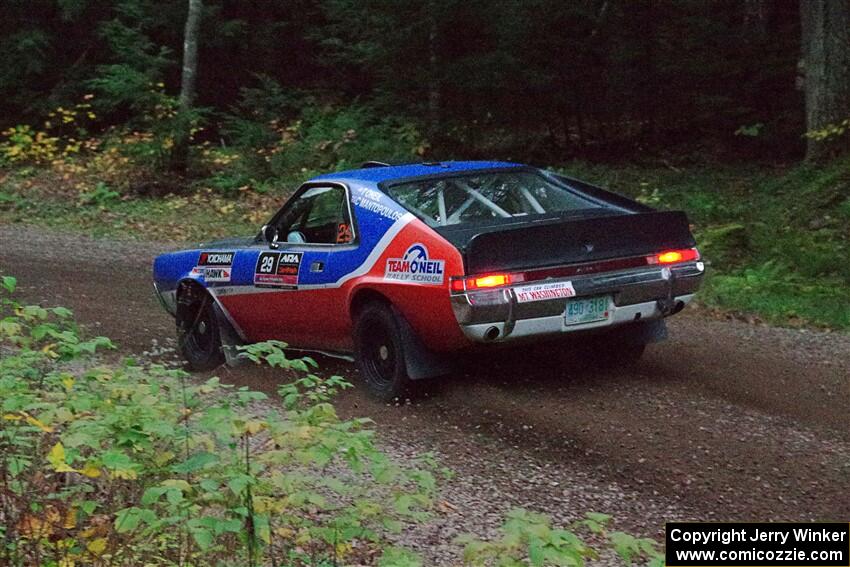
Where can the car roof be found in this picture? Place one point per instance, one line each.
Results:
(379, 174)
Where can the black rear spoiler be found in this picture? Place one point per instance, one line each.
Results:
(571, 241)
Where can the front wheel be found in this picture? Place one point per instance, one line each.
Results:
(198, 335)
(379, 352)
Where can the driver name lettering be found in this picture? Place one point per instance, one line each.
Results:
(372, 202)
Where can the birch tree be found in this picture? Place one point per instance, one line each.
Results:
(187, 84)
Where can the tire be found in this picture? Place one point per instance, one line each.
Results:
(198, 334)
(379, 352)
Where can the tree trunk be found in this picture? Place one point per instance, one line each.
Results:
(180, 154)
(434, 82)
(826, 64)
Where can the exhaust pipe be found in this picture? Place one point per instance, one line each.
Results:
(491, 334)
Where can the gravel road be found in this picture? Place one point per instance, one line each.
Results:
(725, 421)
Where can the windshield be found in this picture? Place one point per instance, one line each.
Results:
(486, 196)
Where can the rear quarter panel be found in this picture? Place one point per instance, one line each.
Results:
(426, 306)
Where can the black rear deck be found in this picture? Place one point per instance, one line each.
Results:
(552, 242)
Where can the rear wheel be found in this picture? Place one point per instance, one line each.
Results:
(379, 352)
(198, 335)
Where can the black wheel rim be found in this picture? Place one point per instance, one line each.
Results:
(379, 355)
(199, 336)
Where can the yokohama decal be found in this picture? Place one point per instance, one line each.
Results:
(215, 259)
(216, 267)
(415, 266)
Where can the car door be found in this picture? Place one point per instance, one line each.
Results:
(294, 296)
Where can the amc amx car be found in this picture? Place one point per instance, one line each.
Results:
(407, 265)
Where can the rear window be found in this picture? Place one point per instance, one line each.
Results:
(486, 196)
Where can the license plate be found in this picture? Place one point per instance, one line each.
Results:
(587, 310)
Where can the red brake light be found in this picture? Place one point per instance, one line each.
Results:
(494, 280)
(670, 257)
(485, 282)
(674, 256)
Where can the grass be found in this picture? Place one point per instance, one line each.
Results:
(776, 240)
(36, 197)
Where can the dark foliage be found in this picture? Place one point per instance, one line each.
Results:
(539, 80)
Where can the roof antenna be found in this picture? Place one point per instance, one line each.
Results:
(371, 164)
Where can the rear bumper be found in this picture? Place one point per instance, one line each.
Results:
(640, 294)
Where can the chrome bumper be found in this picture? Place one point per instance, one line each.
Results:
(644, 293)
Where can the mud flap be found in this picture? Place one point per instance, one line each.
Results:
(648, 332)
(641, 332)
(229, 338)
(421, 361)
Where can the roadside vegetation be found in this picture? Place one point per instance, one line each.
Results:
(129, 464)
(776, 239)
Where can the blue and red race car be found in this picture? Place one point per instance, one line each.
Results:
(405, 265)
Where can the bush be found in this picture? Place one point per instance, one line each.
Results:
(320, 139)
(329, 138)
(252, 123)
(63, 135)
(135, 464)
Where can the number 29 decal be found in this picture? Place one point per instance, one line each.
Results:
(277, 270)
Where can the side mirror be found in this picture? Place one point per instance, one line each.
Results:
(270, 235)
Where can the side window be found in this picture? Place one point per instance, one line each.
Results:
(318, 216)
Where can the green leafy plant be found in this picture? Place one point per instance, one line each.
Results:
(130, 464)
(528, 538)
(100, 196)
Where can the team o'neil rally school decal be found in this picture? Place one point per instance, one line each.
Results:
(415, 266)
(277, 269)
(215, 266)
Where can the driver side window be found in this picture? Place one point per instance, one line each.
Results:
(318, 216)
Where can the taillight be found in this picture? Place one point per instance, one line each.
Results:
(493, 280)
(485, 282)
(674, 256)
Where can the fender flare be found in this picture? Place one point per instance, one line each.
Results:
(229, 335)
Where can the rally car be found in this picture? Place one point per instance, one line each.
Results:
(405, 265)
